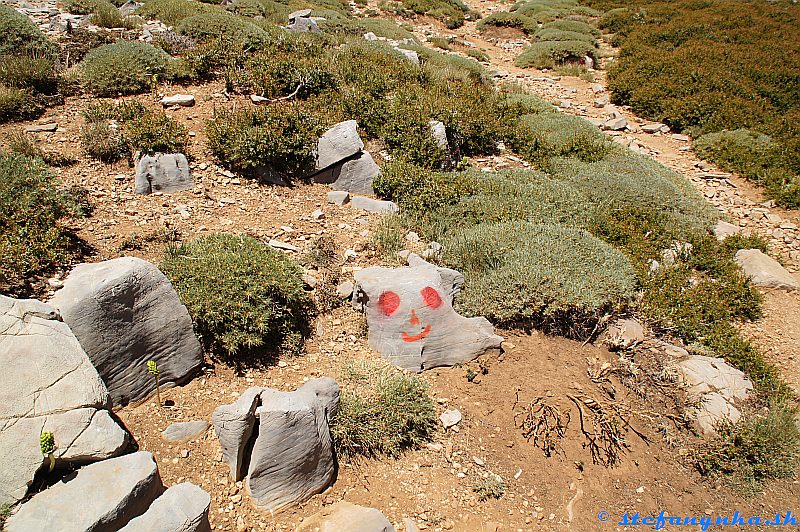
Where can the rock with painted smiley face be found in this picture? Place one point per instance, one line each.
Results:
(411, 319)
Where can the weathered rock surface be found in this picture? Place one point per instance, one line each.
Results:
(125, 312)
(723, 229)
(48, 384)
(624, 334)
(338, 197)
(354, 175)
(292, 457)
(182, 508)
(615, 124)
(338, 143)
(439, 134)
(346, 517)
(42, 128)
(765, 271)
(718, 385)
(101, 496)
(411, 319)
(162, 172)
(304, 24)
(301, 13)
(183, 100)
(411, 55)
(234, 424)
(373, 205)
(182, 432)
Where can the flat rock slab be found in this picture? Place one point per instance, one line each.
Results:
(184, 431)
(183, 100)
(354, 175)
(411, 319)
(125, 312)
(42, 128)
(294, 426)
(374, 206)
(338, 143)
(346, 517)
(182, 508)
(615, 124)
(411, 55)
(234, 424)
(301, 13)
(48, 384)
(338, 197)
(101, 496)
(765, 271)
(723, 230)
(163, 172)
(303, 24)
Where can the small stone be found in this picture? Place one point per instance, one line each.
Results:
(318, 214)
(651, 128)
(345, 289)
(338, 197)
(616, 124)
(373, 205)
(309, 280)
(184, 453)
(54, 282)
(258, 100)
(183, 100)
(282, 245)
(42, 128)
(182, 432)
(450, 418)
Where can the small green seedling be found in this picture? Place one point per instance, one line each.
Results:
(47, 443)
(152, 368)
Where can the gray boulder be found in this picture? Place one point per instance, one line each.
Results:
(48, 384)
(439, 134)
(182, 508)
(301, 13)
(234, 424)
(624, 334)
(182, 100)
(125, 312)
(373, 205)
(411, 319)
(292, 458)
(182, 432)
(354, 175)
(162, 172)
(615, 124)
(303, 24)
(765, 271)
(101, 496)
(338, 143)
(346, 517)
(338, 197)
(723, 229)
(411, 55)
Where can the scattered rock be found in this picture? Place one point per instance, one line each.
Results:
(182, 508)
(277, 244)
(624, 334)
(318, 214)
(303, 24)
(411, 55)
(309, 280)
(338, 144)
(162, 172)
(651, 128)
(345, 289)
(372, 205)
(129, 8)
(450, 418)
(234, 424)
(723, 230)
(411, 319)
(42, 128)
(346, 517)
(301, 13)
(101, 496)
(598, 88)
(294, 426)
(615, 124)
(258, 100)
(184, 431)
(183, 100)
(354, 175)
(338, 197)
(48, 384)
(125, 312)
(765, 271)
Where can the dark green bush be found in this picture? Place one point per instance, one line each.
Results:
(36, 74)
(548, 54)
(382, 412)
(127, 67)
(540, 137)
(20, 36)
(574, 26)
(274, 75)
(478, 55)
(17, 104)
(276, 138)
(173, 12)
(451, 12)
(554, 34)
(420, 189)
(33, 209)
(153, 133)
(209, 26)
(358, 27)
(509, 20)
(244, 297)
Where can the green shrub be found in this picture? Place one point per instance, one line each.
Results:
(20, 36)
(274, 75)
(478, 55)
(382, 411)
(17, 104)
(419, 189)
(106, 15)
(127, 67)
(554, 34)
(243, 296)
(451, 12)
(509, 20)
(491, 487)
(24, 144)
(101, 142)
(763, 447)
(120, 111)
(548, 54)
(573, 26)
(172, 12)
(540, 137)
(209, 26)
(515, 105)
(153, 133)
(277, 138)
(33, 208)
(547, 275)
(79, 7)
(358, 27)
(36, 74)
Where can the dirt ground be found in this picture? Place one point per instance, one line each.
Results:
(433, 485)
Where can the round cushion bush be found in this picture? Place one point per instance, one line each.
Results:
(126, 67)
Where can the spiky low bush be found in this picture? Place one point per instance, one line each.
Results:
(508, 20)
(25, 144)
(20, 36)
(451, 12)
(540, 137)
(245, 298)
(573, 25)
(36, 74)
(127, 67)
(275, 75)
(382, 411)
(33, 209)
(277, 138)
(206, 27)
(548, 54)
(555, 34)
(17, 104)
(173, 12)
(154, 132)
(379, 26)
(548, 275)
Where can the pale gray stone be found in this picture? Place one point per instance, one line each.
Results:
(411, 319)
(373, 205)
(439, 134)
(346, 517)
(338, 197)
(183, 100)
(624, 334)
(42, 128)
(125, 312)
(303, 24)
(653, 127)
(184, 431)
(450, 418)
(345, 289)
(162, 172)
(411, 55)
(765, 271)
(354, 175)
(129, 8)
(301, 13)
(294, 426)
(338, 143)
(277, 244)
(615, 124)
(182, 508)
(723, 230)
(102, 496)
(234, 424)
(258, 100)
(48, 384)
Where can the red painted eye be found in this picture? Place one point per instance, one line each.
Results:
(431, 297)
(388, 303)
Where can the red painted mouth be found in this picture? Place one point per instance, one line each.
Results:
(408, 338)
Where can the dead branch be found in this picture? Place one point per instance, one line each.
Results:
(543, 424)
